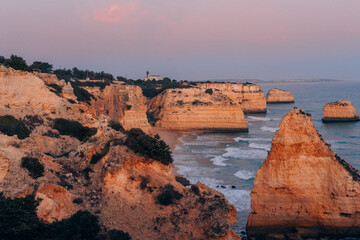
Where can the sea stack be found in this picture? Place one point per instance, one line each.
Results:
(303, 189)
(276, 95)
(340, 111)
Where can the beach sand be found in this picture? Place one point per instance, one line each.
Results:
(170, 137)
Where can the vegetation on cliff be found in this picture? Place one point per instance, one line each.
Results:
(33, 165)
(11, 126)
(73, 129)
(18, 220)
(151, 147)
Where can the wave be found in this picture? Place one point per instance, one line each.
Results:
(260, 146)
(252, 118)
(219, 161)
(244, 174)
(236, 152)
(269, 129)
(241, 139)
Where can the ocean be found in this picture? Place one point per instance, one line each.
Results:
(228, 162)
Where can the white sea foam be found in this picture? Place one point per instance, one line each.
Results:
(235, 152)
(269, 129)
(260, 146)
(244, 174)
(252, 118)
(238, 139)
(219, 161)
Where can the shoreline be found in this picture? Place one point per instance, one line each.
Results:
(171, 138)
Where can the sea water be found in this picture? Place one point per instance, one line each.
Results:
(228, 162)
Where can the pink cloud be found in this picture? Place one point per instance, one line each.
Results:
(116, 13)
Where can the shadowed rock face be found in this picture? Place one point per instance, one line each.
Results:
(340, 111)
(303, 188)
(197, 109)
(279, 96)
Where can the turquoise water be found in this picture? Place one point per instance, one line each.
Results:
(228, 162)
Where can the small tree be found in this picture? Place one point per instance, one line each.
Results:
(42, 66)
(16, 62)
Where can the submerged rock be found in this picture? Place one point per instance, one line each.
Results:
(304, 189)
(340, 111)
(276, 95)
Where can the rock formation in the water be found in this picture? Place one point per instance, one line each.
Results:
(122, 103)
(197, 109)
(340, 111)
(303, 189)
(57, 151)
(248, 95)
(276, 95)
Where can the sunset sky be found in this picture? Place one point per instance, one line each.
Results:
(188, 39)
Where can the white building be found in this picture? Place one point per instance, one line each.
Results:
(152, 77)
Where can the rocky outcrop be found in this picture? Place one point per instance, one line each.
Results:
(196, 109)
(56, 203)
(248, 95)
(340, 111)
(122, 103)
(276, 95)
(303, 189)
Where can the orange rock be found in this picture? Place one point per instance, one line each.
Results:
(276, 95)
(340, 111)
(303, 187)
(56, 203)
(195, 109)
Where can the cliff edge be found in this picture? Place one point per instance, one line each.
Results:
(304, 189)
(340, 111)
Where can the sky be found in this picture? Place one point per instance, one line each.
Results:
(188, 39)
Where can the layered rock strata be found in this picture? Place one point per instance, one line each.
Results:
(276, 95)
(196, 109)
(249, 96)
(122, 103)
(303, 189)
(340, 111)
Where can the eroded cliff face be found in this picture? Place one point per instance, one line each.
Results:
(122, 188)
(249, 96)
(303, 189)
(200, 109)
(122, 103)
(340, 111)
(276, 95)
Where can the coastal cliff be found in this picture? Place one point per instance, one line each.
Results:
(276, 95)
(124, 104)
(303, 189)
(340, 111)
(249, 96)
(64, 154)
(196, 109)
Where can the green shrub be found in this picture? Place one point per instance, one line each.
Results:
(185, 182)
(33, 121)
(195, 189)
(116, 126)
(144, 182)
(33, 165)
(168, 195)
(151, 147)
(119, 235)
(151, 118)
(82, 95)
(73, 129)
(98, 156)
(12, 126)
(55, 88)
(209, 91)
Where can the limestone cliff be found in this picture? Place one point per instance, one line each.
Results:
(340, 111)
(249, 96)
(200, 109)
(303, 189)
(276, 95)
(122, 103)
(100, 173)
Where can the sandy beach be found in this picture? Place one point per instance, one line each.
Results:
(170, 137)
